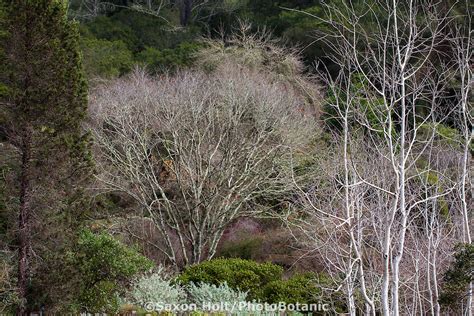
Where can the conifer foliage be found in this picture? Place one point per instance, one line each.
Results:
(43, 101)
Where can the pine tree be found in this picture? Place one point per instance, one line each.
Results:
(42, 106)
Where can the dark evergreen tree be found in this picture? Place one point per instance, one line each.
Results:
(457, 278)
(43, 102)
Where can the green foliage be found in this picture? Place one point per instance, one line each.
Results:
(363, 106)
(442, 134)
(112, 44)
(299, 28)
(105, 58)
(139, 30)
(239, 274)
(42, 115)
(152, 31)
(261, 12)
(55, 47)
(245, 248)
(8, 294)
(304, 288)
(105, 264)
(169, 59)
(300, 288)
(109, 29)
(303, 20)
(3, 92)
(101, 297)
(260, 281)
(458, 277)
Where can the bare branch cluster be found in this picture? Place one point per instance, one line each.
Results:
(392, 199)
(196, 151)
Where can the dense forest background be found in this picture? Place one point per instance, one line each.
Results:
(154, 34)
(181, 151)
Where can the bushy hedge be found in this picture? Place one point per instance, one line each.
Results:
(263, 282)
(300, 288)
(239, 274)
(105, 265)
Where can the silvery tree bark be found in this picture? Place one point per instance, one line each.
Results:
(390, 89)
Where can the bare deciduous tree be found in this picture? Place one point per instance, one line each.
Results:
(90, 9)
(197, 151)
(462, 47)
(385, 230)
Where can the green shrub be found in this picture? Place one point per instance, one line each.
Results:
(239, 274)
(105, 58)
(458, 277)
(261, 282)
(305, 288)
(103, 296)
(168, 59)
(370, 109)
(105, 266)
(300, 288)
(106, 28)
(442, 134)
(246, 248)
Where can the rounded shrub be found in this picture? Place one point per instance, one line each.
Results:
(239, 274)
(156, 288)
(300, 288)
(105, 265)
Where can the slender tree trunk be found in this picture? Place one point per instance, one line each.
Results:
(402, 208)
(24, 221)
(402, 61)
(386, 272)
(464, 183)
(464, 58)
(185, 11)
(350, 298)
(435, 285)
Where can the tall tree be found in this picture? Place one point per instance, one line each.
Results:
(42, 108)
(391, 192)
